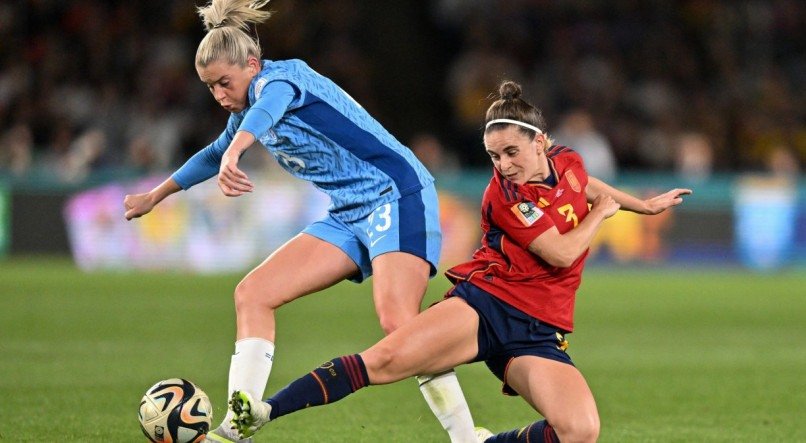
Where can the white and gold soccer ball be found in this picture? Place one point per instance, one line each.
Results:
(175, 411)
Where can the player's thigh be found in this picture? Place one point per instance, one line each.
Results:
(303, 265)
(399, 283)
(404, 240)
(439, 338)
(557, 390)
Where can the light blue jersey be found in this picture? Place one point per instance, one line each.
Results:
(320, 134)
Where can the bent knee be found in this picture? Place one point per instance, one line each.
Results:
(582, 428)
(389, 324)
(391, 320)
(249, 295)
(383, 365)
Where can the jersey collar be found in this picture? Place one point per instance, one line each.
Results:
(552, 179)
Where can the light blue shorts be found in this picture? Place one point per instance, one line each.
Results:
(410, 224)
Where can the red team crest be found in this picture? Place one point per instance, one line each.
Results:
(572, 181)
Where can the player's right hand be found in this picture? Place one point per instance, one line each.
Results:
(606, 205)
(231, 180)
(137, 205)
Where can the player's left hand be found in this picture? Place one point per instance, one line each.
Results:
(660, 203)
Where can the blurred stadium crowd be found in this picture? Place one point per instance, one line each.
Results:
(690, 86)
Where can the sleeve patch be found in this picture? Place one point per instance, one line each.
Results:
(572, 180)
(259, 85)
(527, 213)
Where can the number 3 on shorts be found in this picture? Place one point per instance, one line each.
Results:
(383, 222)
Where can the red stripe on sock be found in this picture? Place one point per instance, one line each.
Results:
(354, 371)
(547, 433)
(359, 380)
(349, 369)
(360, 372)
(322, 386)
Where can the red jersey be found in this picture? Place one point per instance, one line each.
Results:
(512, 216)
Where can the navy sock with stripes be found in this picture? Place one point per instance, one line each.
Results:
(328, 383)
(538, 432)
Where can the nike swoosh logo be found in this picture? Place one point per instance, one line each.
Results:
(372, 242)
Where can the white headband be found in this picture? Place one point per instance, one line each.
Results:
(514, 122)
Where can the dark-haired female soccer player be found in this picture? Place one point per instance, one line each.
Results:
(383, 220)
(512, 305)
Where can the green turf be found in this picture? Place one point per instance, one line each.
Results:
(671, 355)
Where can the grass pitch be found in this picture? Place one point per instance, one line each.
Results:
(671, 355)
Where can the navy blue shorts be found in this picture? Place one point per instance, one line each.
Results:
(505, 333)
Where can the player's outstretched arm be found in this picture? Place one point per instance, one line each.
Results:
(660, 203)
(651, 206)
(137, 205)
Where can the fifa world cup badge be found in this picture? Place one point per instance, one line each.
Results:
(527, 212)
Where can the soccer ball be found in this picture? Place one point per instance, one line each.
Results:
(175, 411)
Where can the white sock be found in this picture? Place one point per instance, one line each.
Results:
(447, 402)
(249, 370)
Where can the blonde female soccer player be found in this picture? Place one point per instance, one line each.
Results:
(512, 305)
(383, 220)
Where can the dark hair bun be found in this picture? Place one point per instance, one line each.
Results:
(509, 90)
